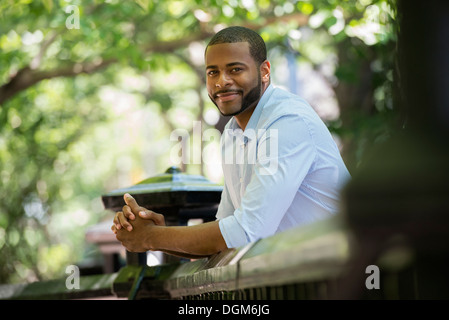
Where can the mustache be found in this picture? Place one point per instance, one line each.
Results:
(226, 91)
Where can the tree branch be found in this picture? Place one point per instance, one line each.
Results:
(29, 75)
(36, 62)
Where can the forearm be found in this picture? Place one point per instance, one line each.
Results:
(185, 255)
(188, 241)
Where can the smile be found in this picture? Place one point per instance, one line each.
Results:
(226, 96)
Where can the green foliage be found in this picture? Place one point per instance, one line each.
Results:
(115, 88)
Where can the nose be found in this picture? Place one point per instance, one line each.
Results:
(223, 80)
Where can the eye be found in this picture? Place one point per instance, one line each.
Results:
(212, 73)
(236, 70)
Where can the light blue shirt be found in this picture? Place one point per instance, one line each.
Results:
(284, 170)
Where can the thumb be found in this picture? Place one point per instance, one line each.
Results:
(128, 198)
(151, 215)
(132, 203)
(146, 214)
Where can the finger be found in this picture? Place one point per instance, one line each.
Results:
(116, 222)
(123, 221)
(132, 203)
(114, 229)
(157, 218)
(128, 213)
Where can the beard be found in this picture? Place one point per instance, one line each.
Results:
(248, 100)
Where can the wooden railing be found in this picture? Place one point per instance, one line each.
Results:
(286, 265)
(319, 261)
(324, 260)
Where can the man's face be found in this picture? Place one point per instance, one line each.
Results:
(233, 78)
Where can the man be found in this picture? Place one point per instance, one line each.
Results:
(281, 166)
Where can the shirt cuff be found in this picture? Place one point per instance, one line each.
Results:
(232, 232)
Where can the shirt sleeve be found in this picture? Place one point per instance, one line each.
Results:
(225, 207)
(285, 154)
(225, 216)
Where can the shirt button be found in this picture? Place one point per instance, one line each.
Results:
(241, 180)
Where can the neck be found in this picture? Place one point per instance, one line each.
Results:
(242, 119)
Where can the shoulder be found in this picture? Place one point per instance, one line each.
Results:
(284, 106)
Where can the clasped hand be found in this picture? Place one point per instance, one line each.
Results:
(132, 226)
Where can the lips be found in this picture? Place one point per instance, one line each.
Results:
(226, 95)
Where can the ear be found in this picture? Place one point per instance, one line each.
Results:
(265, 68)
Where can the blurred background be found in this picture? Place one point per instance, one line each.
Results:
(91, 92)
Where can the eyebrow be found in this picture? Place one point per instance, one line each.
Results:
(232, 64)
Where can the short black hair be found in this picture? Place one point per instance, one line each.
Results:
(233, 34)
